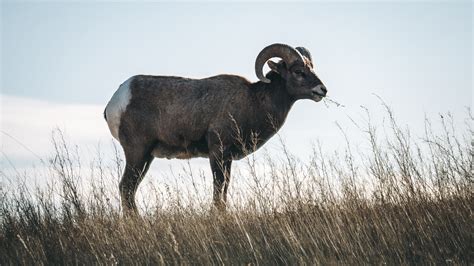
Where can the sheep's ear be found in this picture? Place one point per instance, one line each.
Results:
(273, 66)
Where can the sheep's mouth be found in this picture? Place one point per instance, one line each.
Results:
(319, 91)
(317, 97)
(315, 93)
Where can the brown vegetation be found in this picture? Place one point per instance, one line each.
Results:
(398, 201)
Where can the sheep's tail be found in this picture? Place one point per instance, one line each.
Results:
(105, 115)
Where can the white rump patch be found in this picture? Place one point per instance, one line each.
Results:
(116, 106)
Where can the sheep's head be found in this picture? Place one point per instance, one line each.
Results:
(296, 68)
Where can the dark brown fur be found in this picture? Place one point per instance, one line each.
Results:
(224, 117)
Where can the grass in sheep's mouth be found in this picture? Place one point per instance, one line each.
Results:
(329, 100)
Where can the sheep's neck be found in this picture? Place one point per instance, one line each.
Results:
(276, 102)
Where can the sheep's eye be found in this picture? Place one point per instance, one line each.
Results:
(299, 72)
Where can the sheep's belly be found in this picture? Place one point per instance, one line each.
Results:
(168, 152)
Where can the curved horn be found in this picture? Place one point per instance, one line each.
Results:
(305, 52)
(285, 52)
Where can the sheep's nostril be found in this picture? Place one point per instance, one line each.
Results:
(324, 89)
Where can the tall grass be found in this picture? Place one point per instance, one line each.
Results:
(396, 200)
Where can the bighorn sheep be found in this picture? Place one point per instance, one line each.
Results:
(175, 117)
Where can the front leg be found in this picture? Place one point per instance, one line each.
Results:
(220, 167)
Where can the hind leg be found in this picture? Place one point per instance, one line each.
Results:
(137, 164)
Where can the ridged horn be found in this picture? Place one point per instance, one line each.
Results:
(305, 52)
(289, 54)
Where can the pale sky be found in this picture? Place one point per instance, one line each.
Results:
(61, 62)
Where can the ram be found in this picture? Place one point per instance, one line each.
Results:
(223, 118)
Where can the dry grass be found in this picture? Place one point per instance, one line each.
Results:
(398, 201)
